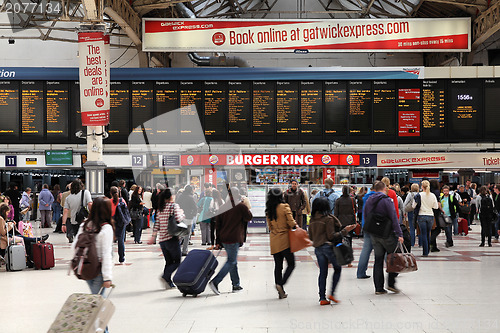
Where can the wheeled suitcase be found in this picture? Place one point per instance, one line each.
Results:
(83, 313)
(43, 255)
(15, 257)
(463, 227)
(195, 271)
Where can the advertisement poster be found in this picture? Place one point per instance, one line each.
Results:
(257, 197)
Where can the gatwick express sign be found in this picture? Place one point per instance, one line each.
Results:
(356, 35)
(436, 160)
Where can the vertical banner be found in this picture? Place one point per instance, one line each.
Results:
(107, 68)
(328, 173)
(211, 176)
(94, 86)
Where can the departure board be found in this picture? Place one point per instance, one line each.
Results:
(142, 105)
(360, 94)
(9, 109)
(335, 109)
(239, 110)
(264, 109)
(384, 104)
(287, 109)
(433, 112)
(464, 109)
(57, 106)
(492, 108)
(409, 109)
(119, 103)
(166, 99)
(191, 98)
(32, 109)
(75, 113)
(215, 109)
(311, 109)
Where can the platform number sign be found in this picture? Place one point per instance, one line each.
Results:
(137, 160)
(10, 161)
(368, 160)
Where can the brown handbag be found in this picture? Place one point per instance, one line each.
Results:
(401, 262)
(298, 239)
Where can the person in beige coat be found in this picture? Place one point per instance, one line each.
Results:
(280, 220)
(305, 212)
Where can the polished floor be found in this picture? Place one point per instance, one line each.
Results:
(455, 290)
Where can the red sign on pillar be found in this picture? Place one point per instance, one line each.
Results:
(211, 176)
(329, 173)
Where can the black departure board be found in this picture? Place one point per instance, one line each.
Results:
(264, 109)
(465, 106)
(32, 109)
(287, 109)
(239, 110)
(311, 109)
(492, 108)
(9, 109)
(409, 113)
(57, 108)
(191, 104)
(75, 113)
(215, 109)
(142, 106)
(120, 106)
(335, 109)
(433, 111)
(360, 120)
(167, 99)
(384, 104)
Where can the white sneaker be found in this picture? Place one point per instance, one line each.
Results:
(214, 288)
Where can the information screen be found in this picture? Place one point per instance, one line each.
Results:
(287, 109)
(335, 109)
(166, 99)
(239, 110)
(311, 109)
(215, 109)
(264, 109)
(359, 108)
(119, 125)
(409, 115)
(384, 104)
(492, 108)
(75, 113)
(32, 109)
(142, 105)
(465, 109)
(191, 103)
(57, 106)
(433, 111)
(9, 109)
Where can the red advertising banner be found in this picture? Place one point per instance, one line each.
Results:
(409, 123)
(211, 176)
(94, 78)
(270, 159)
(328, 173)
(334, 35)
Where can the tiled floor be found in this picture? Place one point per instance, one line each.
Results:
(455, 290)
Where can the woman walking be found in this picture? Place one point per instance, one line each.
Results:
(169, 244)
(424, 204)
(119, 230)
(325, 231)
(280, 220)
(485, 207)
(409, 210)
(56, 205)
(136, 207)
(345, 210)
(205, 216)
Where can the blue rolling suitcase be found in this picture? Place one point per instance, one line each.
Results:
(195, 271)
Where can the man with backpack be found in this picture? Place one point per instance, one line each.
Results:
(77, 201)
(496, 200)
(329, 193)
(449, 206)
(487, 214)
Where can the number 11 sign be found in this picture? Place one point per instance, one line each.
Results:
(10, 161)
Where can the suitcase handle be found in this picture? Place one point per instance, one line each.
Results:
(102, 291)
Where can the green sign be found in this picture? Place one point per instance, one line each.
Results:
(58, 157)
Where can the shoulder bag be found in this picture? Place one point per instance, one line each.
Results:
(82, 213)
(174, 228)
(402, 261)
(343, 252)
(299, 239)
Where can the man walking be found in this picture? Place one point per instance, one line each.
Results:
(364, 257)
(449, 206)
(296, 199)
(380, 204)
(329, 193)
(188, 205)
(45, 201)
(230, 229)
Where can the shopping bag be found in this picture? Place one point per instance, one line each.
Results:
(298, 239)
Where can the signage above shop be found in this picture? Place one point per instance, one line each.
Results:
(442, 160)
(304, 36)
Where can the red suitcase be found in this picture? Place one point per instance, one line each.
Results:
(463, 226)
(43, 255)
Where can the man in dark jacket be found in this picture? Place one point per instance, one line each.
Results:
(187, 203)
(296, 199)
(379, 203)
(496, 200)
(123, 191)
(14, 195)
(449, 205)
(230, 229)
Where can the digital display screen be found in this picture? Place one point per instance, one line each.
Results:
(57, 106)
(287, 109)
(239, 110)
(32, 109)
(464, 108)
(215, 109)
(311, 109)
(409, 115)
(75, 113)
(191, 98)
(142, 105)
(433, 111)
(119, 102)
(384, 104)
(360, 94)
(335, 109)
(492, 108)
(9, 109)
(264, 109)
(166, 99)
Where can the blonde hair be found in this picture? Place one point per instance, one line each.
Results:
(414, 187)
(426, 186)
(386, 181)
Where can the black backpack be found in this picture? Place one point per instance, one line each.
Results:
(487, 210)
(85, 263)
(82, 213)
(122, 214)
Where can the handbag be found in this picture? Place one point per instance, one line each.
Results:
(82, 213)
(343, 252)
(444, 220)
(401, 262)
(299, 239)
(135, 214)
(176, 229)
(24, 210)
(464, 209)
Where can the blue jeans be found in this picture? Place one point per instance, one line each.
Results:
(364, 257)
(56, 207)
(231, 265)
(411, 222)
(95, 286)
(455, 225)
(425, 223)
(137, 224)
(120, 237)
(324, 254)
(172, 253)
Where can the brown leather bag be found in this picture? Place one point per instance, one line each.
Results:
(298, 239)
(401, 262)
